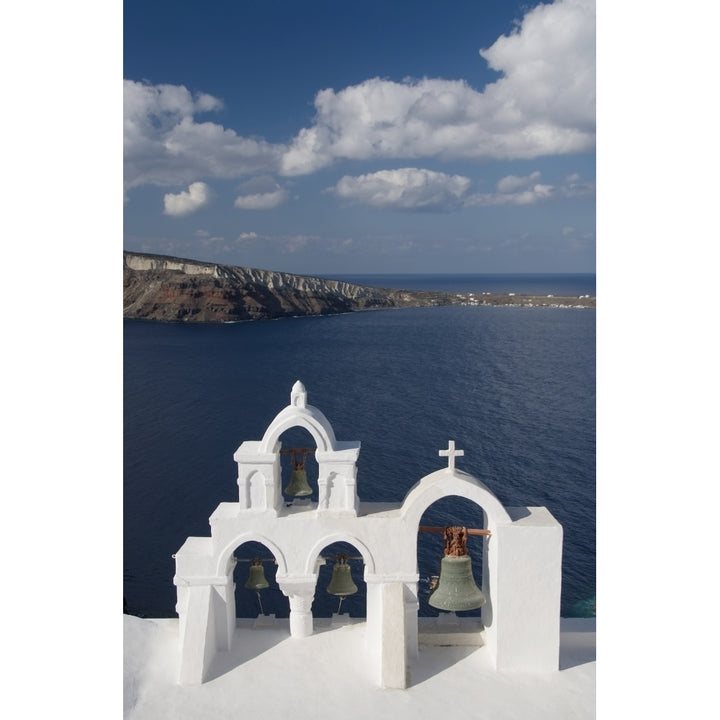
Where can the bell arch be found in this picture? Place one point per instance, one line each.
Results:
(450, 510)
(224, 564)
(452, 482)
(367, 556)
(336, 460)
(300, 414)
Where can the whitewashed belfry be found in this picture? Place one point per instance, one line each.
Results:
(519, 628)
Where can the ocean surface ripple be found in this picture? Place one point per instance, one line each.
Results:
(513, 387)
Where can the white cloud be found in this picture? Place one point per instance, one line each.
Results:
(514, 190)
(527, 190)
(405, 189)
(525, 197)
(544, 104)
(548, 64)
(512, 183)
(574, 186)
(419, 189)
(261, 201)
(165, 145)
(186, 202)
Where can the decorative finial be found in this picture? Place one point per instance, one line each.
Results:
(451, 453)
(298, 395)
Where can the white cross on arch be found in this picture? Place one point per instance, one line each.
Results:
(451, 453)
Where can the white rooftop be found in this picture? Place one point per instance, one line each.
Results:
(272, 675)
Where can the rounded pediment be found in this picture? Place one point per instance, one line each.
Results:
(451, 481)
(299, 414)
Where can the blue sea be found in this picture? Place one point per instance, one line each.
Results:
(513, 387)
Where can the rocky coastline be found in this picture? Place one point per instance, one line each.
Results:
(169, 289)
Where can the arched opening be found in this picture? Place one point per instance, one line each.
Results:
(251, 602)
(326, 604)
(298, 456)
(451, 510)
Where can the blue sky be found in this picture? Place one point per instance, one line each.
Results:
(340, 137)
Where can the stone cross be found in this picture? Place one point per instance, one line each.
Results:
(451, 453)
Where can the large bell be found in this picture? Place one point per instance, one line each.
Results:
(298, 484)
(256, 579)
(456, 588)
(341, 582)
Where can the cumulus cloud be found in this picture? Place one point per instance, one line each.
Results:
(512, 183)
(405, 189)
(425, 190)
(188, 201)
(514, 190)
(261, 201)
(164, 144)
(544, 103)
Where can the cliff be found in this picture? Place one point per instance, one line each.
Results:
(158, 287)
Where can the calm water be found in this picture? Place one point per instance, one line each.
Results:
(514, 387)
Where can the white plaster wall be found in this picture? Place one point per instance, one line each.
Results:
(528, 580)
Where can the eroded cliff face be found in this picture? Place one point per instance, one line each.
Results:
(158, 287)
(171, 289)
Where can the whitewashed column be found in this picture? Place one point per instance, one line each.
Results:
(300, 592)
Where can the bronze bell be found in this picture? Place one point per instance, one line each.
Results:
(456, 588)
(341, 582)
(256, 579)
(298, 486)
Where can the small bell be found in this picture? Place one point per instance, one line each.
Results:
(298, 486)
(341, 582)
(256, 579)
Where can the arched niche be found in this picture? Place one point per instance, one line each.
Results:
(225, 564)
(451, 481)
(251, 603)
